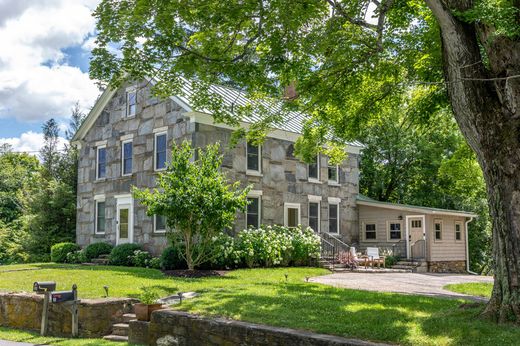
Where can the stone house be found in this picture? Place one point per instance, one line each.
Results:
(126, 141)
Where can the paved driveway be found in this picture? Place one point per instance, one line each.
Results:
(428, 284)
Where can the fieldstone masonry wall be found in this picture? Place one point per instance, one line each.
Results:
(283, 180)
(177, 328)
(96, 316)
(447, 267)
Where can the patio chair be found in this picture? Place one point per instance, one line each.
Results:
(374, 257)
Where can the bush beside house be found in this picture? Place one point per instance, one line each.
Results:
(95, 250)
(60, 251)
(121, 254)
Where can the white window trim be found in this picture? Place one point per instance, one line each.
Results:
(155, 230)
(252, 171)
(333, 182)
(313, 198)
(131, 89)
(388, 222)
(455, 232)
(160, 129)
(155, 151)
(123, 158)
(334, 201)
(251, 194)
(99, 199)
(312, 179)
(363, 231)
(255, 193)
(97, 162)
(435, 221)
(286, 207)
(319, 213)
(127, 137)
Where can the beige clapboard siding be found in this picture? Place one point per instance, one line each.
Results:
(448, 249)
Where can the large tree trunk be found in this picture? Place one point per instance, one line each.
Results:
(486, 105)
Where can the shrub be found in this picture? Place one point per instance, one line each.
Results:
(121, 255)
(154, 263)
(148, 296)
(391, 260)
(76, 257)
(94, 250)
(59, 251)
(140, 258)
(171, 259)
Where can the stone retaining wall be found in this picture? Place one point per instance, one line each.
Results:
(96, 316)
(178, 328)
(447, 267)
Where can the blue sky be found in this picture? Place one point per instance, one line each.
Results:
(45, 69)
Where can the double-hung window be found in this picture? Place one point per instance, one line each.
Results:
(333, 174)
(437, 226)
(127, 157)
(370, 231)
(100, 216)
(333, 217)
(458, 231)
(101, 162)
(253, 212)
(314, 216)
(159, 224)
(160, 151)
(292, 214)
(253, 158)
(131, 102)
(394, 230)
(314, 169)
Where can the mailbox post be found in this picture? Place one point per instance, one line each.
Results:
(44, 287)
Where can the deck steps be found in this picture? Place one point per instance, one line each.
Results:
(415, 266)
(120, 330)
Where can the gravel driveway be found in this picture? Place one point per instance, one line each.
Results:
(428, 284)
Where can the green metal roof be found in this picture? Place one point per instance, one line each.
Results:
(428, 210)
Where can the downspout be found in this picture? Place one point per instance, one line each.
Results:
(467, 247)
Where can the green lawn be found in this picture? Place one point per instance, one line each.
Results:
(480, 289)
(264, 296)
(35, 338)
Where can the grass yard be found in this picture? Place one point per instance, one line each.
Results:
(264, 296)
(35, 338)
(480, 289)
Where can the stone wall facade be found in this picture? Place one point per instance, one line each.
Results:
(283, 179)
(96, 316)
(447, 267)
(177, 328)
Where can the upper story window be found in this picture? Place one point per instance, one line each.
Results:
(160, 151)
(127, 157)
(314, 169)
(254, 157)
(333, 174)
(314, 216)
(458, 231)
(333, 218)
(437, 226)
(394, 230)
(131, 102)
(370, 231)
(100, 217)
(101, 162)
(253, 212)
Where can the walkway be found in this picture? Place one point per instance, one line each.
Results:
(428, 284)
(13, 343)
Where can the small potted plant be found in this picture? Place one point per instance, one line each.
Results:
(148, 304)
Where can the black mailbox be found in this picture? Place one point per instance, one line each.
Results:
(62, 296)
(44, 286)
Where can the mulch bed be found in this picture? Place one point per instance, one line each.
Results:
(185, 273)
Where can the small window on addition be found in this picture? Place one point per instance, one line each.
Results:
(458, 231)
(370, 231)
(395, 231)
(438, 229)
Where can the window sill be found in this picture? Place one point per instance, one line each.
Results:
(314, 181)
(333, 183)
(99, 235)
(371, 240)
(100, 180)
(254, 173)
(159, 234)
(159, 170)
(129, 116)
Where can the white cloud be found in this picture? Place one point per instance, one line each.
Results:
(30, 142)
(36, 83)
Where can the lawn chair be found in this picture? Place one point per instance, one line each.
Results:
(374, 257)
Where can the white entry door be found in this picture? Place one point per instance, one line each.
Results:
(124, 221)
(416, 242)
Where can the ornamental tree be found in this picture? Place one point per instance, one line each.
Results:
(196, 199)
(344, 61)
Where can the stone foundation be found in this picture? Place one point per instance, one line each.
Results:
(178, 328)
(447, 267)
(96, 316)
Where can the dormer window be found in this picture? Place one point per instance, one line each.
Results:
(131, 102)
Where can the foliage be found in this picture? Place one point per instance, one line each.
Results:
(172, 259)
(76, 257)
(480, 289)
(94, 250)
(148, 296)
(196, 199)
(391, 260)
(59, 251)
(154, 263)
(140, 258)
(121, 255)
(275, 246)
(263, 296)
(12, 240)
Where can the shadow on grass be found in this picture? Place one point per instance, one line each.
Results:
(388, 317)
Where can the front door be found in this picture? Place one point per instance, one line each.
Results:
(124, 223)
(416, 240)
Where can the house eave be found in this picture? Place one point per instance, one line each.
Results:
(416, 209)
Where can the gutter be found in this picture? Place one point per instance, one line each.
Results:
(467, 247)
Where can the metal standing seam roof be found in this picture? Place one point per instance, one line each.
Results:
(429, 210)
(233, 97)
